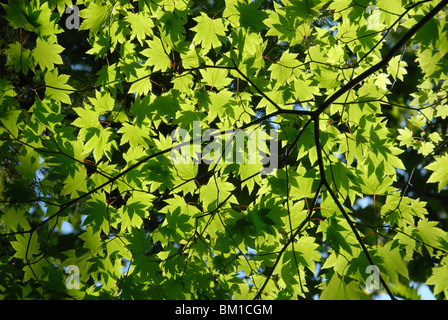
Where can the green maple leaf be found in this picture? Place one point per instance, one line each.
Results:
(439, 279)
(145, 267)
(216, 77)
(87, 121)
(100, 141)
(339, 288)
(440, 171)
(245, 15)
(140, 109)
(41, 19)
(391, 8)
(75, 184)
(247, 170)
(306, 252)
(163, 143)
(335, 55)
(429, 61)
(430, 235)
(139, 241)
(57, 86)
(179, 220)
(393, 261)
(59, 4)
(435, 137)
(305, 88)
(171, 29)
(32, 16)
(140, 81)
(157, 54)
(26, 245)
(336, 231)
(183, 82)
(47, 112)
(283, 70)
(95, 16)
(91, 238)
(251, 17)
(19, 57)
(405, 137)
(6, 89)
(135, 134)
(103, 102)
(442, 111)
(29, 164)
(260, 220)
(425, 148)
(15, 13)
(186, 171)
(135, 209)
(47, 54)
(397, 68)
(221, 104)
(15, 220)
(418, 121)
(9, 121)
(164, 107)
(343, 178)
(382, 81)
(374, 180)
(287, 22)
(210, 196)
(141, 25)
(98, 213)
(208, 31)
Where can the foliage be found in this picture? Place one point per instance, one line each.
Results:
(359, 101)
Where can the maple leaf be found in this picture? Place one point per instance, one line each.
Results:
(141, 25)
(157, 54)
(208, 32)
(216, 77)
(95, 16)
(47, 54)
(134, 134)
(439, 279)
(26, 245)
(19, 57)
(405, 137)
(57, 87)
(440, 171)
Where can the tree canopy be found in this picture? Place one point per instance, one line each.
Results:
(341, 188)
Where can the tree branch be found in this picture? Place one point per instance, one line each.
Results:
(407, 36)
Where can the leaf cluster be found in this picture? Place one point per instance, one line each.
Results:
(87, 141)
